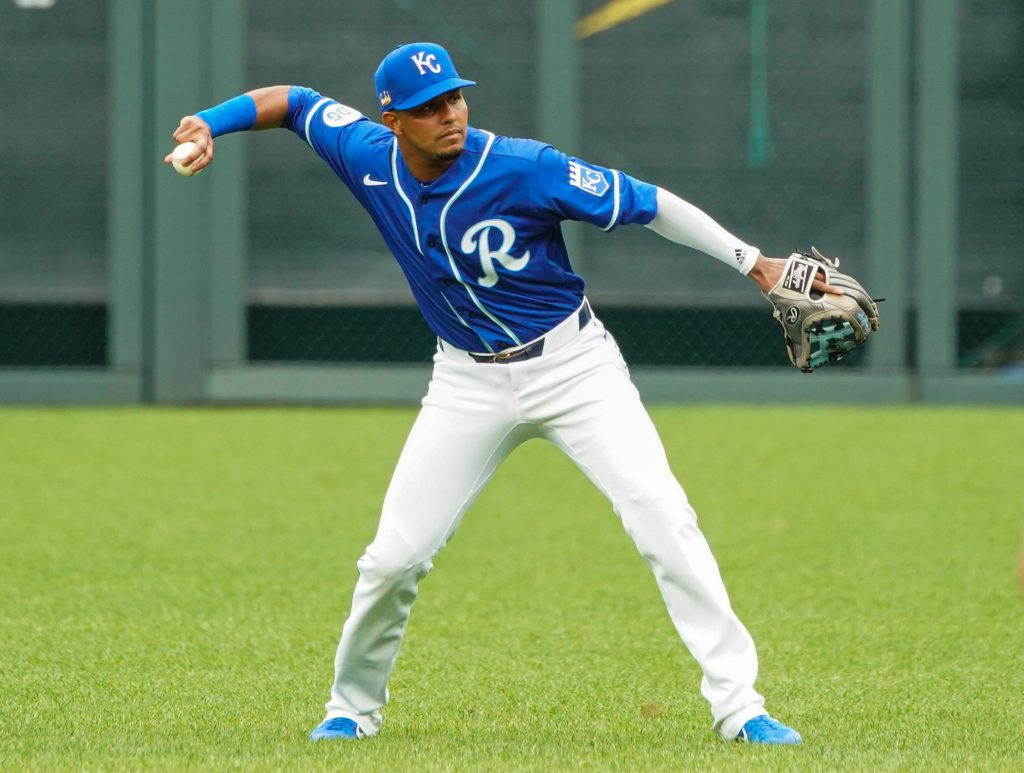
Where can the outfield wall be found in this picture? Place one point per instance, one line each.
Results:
(888, 132)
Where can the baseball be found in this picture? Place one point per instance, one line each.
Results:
(179, 154)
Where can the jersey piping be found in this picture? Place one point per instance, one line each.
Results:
(401, 193)
(448, 252)
(615, 201)
(309, 118)
(466, 324)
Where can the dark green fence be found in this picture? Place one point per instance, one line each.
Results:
(788, 122)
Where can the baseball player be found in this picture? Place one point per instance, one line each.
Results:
(473, 220)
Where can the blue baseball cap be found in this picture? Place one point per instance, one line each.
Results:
(413, 74)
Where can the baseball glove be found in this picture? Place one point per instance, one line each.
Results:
(820, 327)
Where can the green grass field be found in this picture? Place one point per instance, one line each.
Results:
(174, 583)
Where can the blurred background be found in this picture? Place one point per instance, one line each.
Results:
(888, 132)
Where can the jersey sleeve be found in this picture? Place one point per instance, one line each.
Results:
(572, 189)
(331, 129)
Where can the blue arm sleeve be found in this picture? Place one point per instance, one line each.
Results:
(235, 115)
(575, 190)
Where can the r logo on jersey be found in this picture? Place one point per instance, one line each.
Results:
(425, 61)
(478, 238)
(587, 179)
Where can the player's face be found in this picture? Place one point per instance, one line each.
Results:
(435, 130)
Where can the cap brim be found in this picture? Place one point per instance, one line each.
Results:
(431, 91)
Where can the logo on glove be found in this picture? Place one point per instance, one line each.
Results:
(799, 275)
(865, 324)
(792, 314)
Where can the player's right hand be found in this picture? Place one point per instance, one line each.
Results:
(194, 129)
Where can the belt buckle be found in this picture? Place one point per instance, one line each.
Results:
(522, 353)
(508, 356)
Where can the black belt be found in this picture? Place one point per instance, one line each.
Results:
(536, 349)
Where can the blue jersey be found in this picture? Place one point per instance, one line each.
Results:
(481, 246)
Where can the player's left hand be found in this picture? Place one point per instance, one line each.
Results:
(825, 314)
(768, 271)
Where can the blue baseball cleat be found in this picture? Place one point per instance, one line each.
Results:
(764, 729)
(337, 727)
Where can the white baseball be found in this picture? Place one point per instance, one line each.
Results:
(179, 154)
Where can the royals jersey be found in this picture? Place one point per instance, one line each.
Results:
(481, 246)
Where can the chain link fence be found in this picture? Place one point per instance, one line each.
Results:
(53, 189)
(716, 102)
(754, 111)
(991, 272)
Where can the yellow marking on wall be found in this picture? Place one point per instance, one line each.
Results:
(614, 13)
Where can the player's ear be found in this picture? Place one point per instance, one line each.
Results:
(390, 119)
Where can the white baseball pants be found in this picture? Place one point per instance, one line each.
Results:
(578, 395)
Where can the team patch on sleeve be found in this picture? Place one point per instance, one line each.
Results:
(337, 114)
(587, 179)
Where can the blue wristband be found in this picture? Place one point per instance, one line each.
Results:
(235, 115)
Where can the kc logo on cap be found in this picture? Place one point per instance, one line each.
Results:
(400, 86)
(425, 61)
